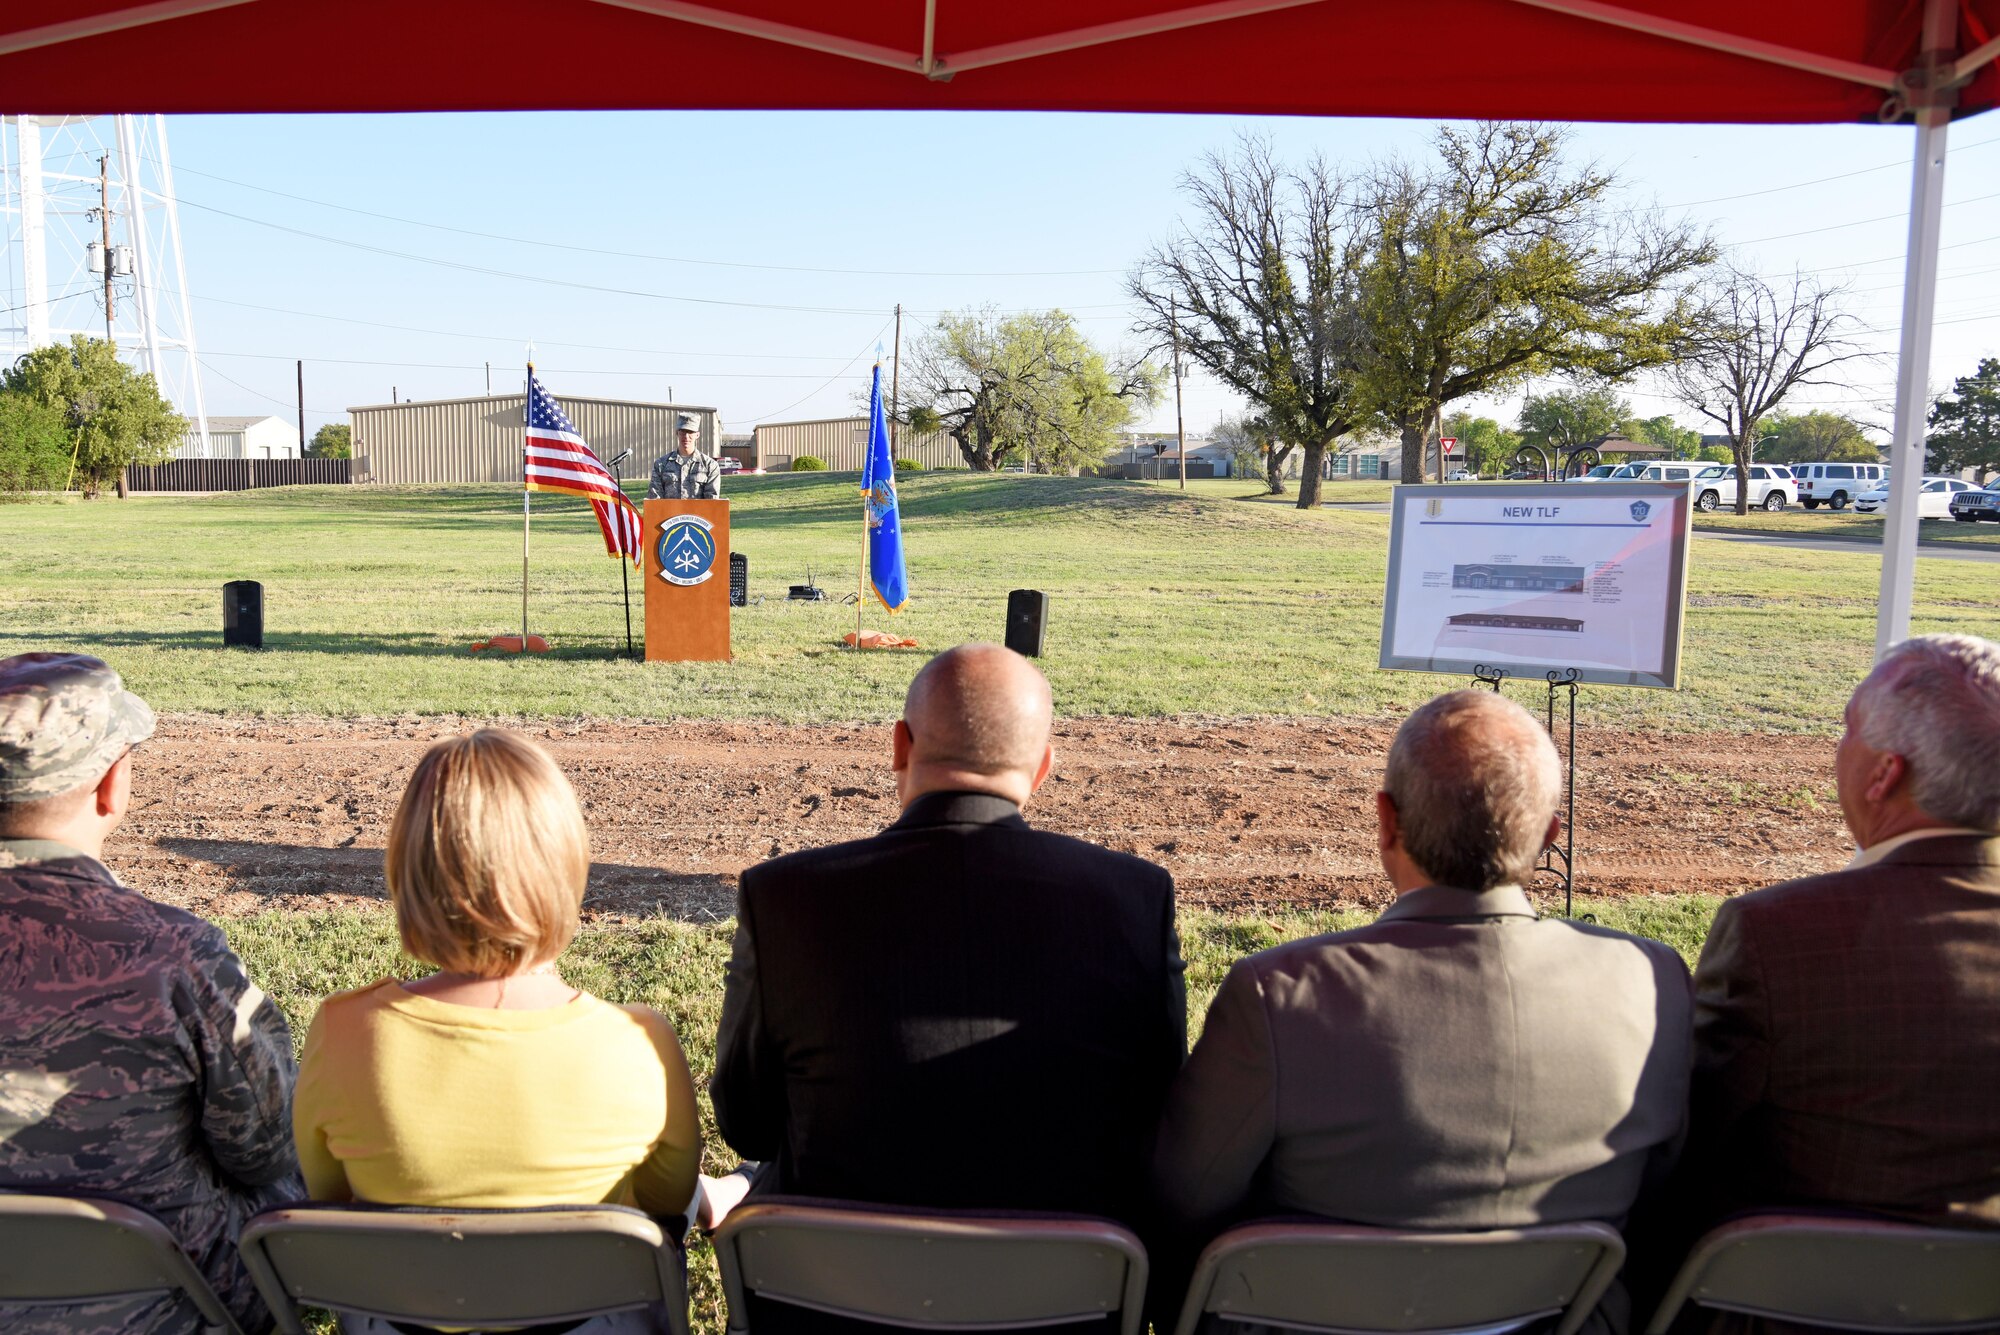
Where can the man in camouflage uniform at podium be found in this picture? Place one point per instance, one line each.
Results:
(138, 1062)
(686, 474)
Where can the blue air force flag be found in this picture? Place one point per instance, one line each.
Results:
(885, 523)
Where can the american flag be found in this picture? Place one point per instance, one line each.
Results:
(558, 459)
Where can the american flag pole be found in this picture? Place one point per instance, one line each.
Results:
(625, 578)
(525, 496)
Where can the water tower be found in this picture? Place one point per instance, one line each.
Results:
(90, 243)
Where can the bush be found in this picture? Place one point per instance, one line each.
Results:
(34, 444)
(909, 465)
(808, 463)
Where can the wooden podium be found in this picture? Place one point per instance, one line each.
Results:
(687, 581)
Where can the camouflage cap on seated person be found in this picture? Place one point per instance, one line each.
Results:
(64, 720)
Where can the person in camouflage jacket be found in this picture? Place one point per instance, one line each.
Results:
(684, 472)
(138, 1062)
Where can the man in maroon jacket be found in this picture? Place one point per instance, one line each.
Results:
(1847, 1026)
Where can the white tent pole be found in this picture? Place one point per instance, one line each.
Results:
(1913, 355)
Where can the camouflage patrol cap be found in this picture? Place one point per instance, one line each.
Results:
(64, 720)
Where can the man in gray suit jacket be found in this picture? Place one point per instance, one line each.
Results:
(1847, 1028)
(1462, 1062)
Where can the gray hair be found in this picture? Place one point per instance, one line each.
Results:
(1935, 701)
(1475, 781)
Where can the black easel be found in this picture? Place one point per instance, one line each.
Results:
(1558, 863)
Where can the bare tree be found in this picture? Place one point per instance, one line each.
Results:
(1753, 344)
(1498, 261)
(1259, 290)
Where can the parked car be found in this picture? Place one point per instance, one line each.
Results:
(1834, 485)
(1462, 475)
(1772, 486)
(1673, 471)
(1933, 502)
(1601, 473)
(729, 465)
(1975, 503)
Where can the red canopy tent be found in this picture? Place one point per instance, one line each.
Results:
(1750, 61)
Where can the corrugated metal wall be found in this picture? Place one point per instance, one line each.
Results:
(841, 443)
(479, 440)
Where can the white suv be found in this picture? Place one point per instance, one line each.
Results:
(1771, 486)
(1836, 484)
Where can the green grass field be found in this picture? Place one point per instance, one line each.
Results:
(1163, 603)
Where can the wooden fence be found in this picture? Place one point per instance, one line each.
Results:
(237, 474)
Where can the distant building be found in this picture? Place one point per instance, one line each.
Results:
(841, 443)
(480, 439)
(243, 438)
(1149, 454)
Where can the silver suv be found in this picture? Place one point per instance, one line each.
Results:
(1771, 487)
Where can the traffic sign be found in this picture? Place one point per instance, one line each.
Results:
(1450, 444)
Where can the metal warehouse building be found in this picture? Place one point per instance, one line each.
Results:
(480, 439)
(841, 443)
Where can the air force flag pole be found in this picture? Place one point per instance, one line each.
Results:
(882, 570)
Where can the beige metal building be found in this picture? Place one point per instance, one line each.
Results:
(841, 443)
(480, 439)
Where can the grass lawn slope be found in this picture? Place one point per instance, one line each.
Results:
(1163, 603)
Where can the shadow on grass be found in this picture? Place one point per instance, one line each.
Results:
(413, 643)
(277, 869)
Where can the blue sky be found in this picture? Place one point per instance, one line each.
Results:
(945, 211)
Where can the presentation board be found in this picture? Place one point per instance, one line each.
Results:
(1539, 577)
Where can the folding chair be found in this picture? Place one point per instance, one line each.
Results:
(1349, 1279)
(464, 1269)
(69, 1249)
(938, 1270)
(1851, 1274)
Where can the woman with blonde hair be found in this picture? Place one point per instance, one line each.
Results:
(492, 1082)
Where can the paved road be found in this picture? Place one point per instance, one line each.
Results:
(1942, 551)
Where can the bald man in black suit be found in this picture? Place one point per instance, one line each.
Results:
(961, 1011)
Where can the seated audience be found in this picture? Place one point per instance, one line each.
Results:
(137, 1061)
(492, 1082)
(1460, 1063)
(960, 1011)
(1847, 1026)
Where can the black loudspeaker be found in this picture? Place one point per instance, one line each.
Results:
(1027, 621)
(243, 613)
(739, 580)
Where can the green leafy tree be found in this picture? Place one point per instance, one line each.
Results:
(1790, 438)
(1498, 261)
(1249, 439)
(34, 444)
(1755, 343)
(1714, 454)
(1258, 288)
(1029, 387)
(1664, 431)
(1563, 419)
(1486, 446)
(113, 415)
(335, 440)
(1965, 424)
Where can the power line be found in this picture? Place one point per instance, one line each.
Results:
(553, 370)
(662, 259)
(758, 417)
(1822, 180)
(501, 338)
(1860, 222)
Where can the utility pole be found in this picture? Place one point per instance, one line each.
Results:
(895, 380)
(104, 216)
(1180, 424)
(302, 408)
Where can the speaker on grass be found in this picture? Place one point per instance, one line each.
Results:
(243, 613)
(739, 580)
(1027, 621)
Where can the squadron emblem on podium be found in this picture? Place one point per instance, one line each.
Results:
(686, 550)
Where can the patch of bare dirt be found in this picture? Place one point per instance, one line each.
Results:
(232, 816)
